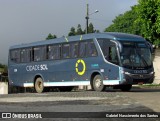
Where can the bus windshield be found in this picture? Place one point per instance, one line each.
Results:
(135, 55)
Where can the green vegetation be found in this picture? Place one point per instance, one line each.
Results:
(150, 86)
(143, 19)
(79, 30)
(50, 36)
(149, 16)
(126, 23)
(3, 68)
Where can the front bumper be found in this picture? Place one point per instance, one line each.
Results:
(138, 78)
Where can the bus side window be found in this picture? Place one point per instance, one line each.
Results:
(74, 50)
(39, 53)
(53, 52)
(50, 52)
(82, 49)
(91, 49)
(15, 55)
(66, 51)
(113, 56)
(36, 55)
(104, 44)
(25, 55)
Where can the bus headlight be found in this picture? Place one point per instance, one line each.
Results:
(127, 73)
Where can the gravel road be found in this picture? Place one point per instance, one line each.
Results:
(137, 100)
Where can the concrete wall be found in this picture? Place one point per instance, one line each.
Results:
(3, 87)
(156, 64)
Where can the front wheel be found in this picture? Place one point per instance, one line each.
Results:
(97, 83)
(126, 87)
(39, 87)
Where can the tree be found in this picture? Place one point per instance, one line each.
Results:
(149, 16)
(97, 31)
(126, 23)
(72, 32)
(91, 28)
(3, 68)
(79, 30)
(50, 36)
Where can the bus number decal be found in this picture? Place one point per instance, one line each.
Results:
(84, 67)
(41, 67)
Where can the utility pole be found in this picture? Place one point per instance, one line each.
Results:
(87, 18)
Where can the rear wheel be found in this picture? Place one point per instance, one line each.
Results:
(39, 87)
(97, 83)
(126, 87)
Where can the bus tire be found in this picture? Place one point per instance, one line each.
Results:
(126, 88)
(39, 86)
(98, 83)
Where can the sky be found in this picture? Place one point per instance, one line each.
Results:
(25, 21)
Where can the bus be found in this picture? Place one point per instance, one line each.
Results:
(99, 60)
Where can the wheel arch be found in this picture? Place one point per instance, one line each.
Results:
(37, 76)
(93, 74)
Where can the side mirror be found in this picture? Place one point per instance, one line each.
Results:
(119, 45)
(150, 47)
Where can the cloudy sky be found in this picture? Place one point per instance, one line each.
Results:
(24, 21)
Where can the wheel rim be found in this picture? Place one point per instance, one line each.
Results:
(98, 83)
(39, 85)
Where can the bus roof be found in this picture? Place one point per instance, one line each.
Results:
(110, 35)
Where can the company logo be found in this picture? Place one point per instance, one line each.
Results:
(80, 61)
(6, 115)
(21, 115)
(41, 67)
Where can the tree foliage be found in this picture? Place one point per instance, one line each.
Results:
(91, 28)
(149, 17)
(79, 30)
(143, 19)
(3, 68)
(50, 36)
(126, 23)
(72, 32)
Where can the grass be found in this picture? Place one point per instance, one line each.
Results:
(149, 86)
